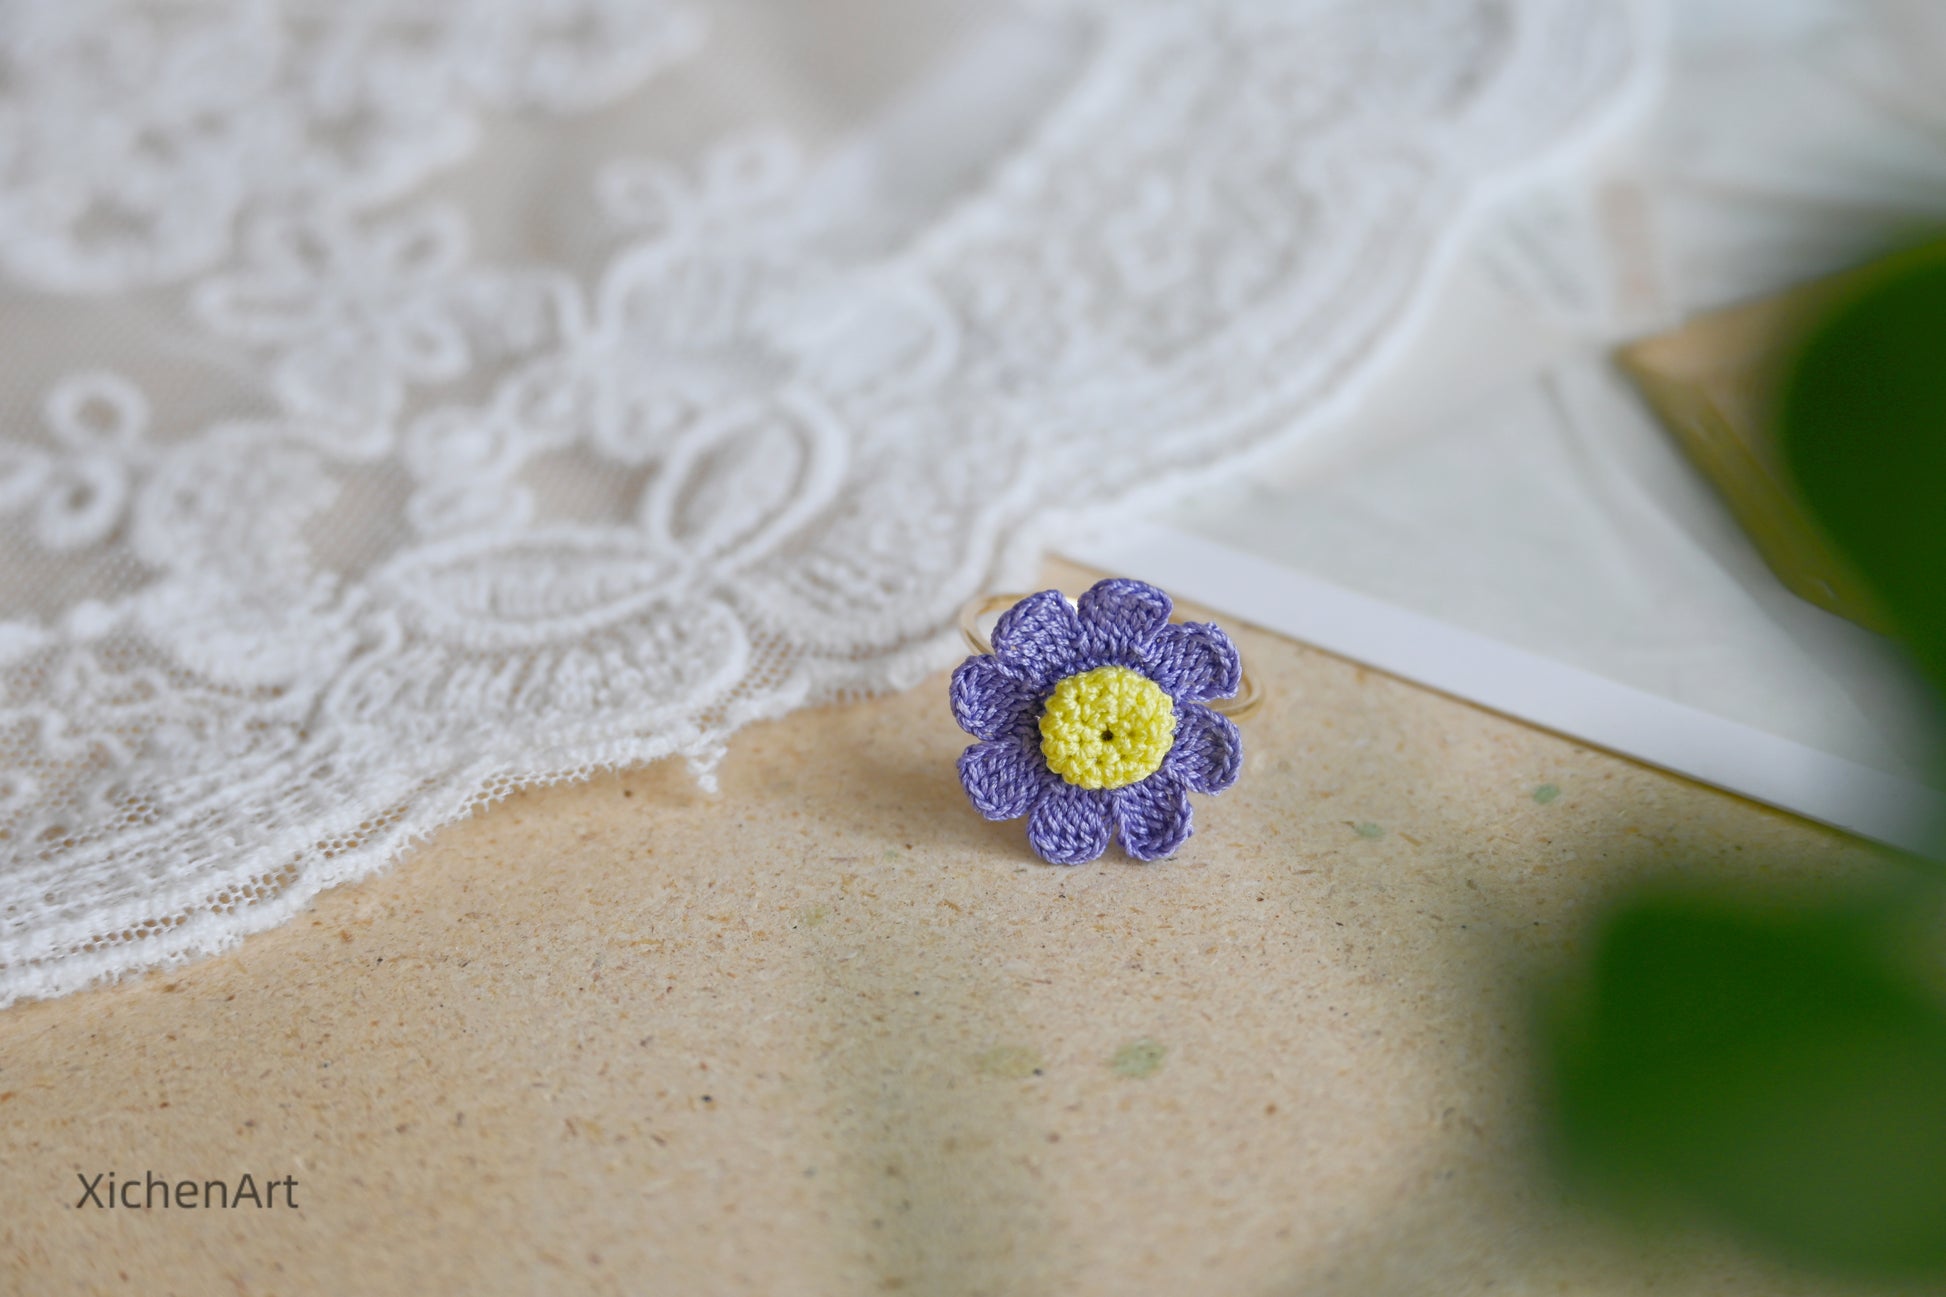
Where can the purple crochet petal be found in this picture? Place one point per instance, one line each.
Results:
(991, 701)
(1195, 662)
(1119, 618)
(1004, 778)
(1038, 637)
(1208, 755)
(1153, 816)
(1070, 824)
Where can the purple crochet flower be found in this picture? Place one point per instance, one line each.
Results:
(1091, 721)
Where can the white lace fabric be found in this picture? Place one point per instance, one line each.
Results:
(408, 403)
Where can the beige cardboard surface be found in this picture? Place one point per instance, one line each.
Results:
(829, 1032)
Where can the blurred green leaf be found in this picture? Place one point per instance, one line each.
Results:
(1862, 428)
(1782, 1072)
(1769, 1071)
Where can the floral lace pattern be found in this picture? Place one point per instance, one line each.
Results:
(395, 512)
(135, 134)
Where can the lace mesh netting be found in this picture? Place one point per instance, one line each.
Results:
(411, 403)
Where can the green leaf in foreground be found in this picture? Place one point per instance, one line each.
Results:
(1862, 431)
(1769, 1072)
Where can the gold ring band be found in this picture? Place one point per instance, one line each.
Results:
(1246, 701)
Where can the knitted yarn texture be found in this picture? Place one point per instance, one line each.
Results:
(1092, 721)
(1107, 728)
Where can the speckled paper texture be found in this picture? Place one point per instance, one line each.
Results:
(829, 1032)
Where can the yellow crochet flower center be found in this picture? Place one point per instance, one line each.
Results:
(1107, 728)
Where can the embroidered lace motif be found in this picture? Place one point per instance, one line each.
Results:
(416, 402)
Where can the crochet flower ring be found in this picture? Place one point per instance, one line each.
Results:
(1091, 721)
